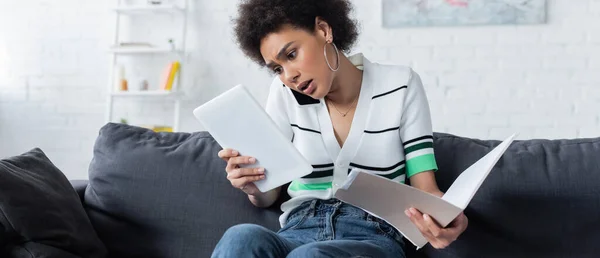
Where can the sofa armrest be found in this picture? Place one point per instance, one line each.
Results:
(79, 186)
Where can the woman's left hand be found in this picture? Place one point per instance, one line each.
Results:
(437, 236)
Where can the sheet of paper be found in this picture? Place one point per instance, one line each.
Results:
(387, 200)
(466, 185)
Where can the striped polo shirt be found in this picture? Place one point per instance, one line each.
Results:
(390, 134)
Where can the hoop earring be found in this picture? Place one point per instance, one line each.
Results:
(337, 55)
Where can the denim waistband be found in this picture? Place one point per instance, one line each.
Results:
(318, 207)
(326, 209)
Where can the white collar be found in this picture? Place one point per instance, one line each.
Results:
(358, 60)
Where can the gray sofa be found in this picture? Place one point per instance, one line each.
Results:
(165, 195)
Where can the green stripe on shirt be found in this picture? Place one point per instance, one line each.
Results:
(295, 186)
(420, 164)
(420, 146)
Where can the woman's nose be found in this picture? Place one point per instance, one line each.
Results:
(292, 75)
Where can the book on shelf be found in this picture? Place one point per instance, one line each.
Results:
(170, 75)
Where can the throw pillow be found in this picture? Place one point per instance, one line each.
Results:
(41, 215)
(156, 195)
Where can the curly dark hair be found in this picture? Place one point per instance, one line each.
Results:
(258, 18)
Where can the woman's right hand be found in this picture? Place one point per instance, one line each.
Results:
(241, 178)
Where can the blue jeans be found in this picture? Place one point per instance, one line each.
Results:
(316, 228)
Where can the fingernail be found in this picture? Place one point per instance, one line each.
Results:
(252, 160)
(413, 211)
(425, 216)
(234, 152)
(407, 213)
(261, 170)
(262, 177)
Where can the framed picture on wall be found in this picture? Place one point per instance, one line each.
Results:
(415, 13)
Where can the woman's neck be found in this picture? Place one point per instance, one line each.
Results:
(345, 87)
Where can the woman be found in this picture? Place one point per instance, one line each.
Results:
(343, 114)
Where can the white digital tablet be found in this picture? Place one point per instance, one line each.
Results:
(237, 121)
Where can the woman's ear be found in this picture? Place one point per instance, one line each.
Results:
(323, 30)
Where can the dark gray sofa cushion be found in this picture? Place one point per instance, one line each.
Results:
(541, 200)
(79, 186)
(40, 213)
(166, 195)
(163, 194)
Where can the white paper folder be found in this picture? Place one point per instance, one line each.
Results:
(237, 121)
(388, 200)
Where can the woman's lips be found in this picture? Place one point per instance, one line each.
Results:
(310, 89)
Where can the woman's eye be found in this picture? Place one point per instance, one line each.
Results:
(277, 70)
(292, 55)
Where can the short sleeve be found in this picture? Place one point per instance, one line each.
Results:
(276, 108)
(416, 129)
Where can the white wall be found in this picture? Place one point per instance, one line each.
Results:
(542, 81)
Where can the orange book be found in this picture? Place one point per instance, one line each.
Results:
(165, 76)
(169, 75)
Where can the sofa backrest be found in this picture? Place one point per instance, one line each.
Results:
(542, 199)
(166, 195)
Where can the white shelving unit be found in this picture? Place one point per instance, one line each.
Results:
(144, 9)
(156, 93)
(143, 50)
(147, 11)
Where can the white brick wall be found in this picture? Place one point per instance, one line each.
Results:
(542, 81)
